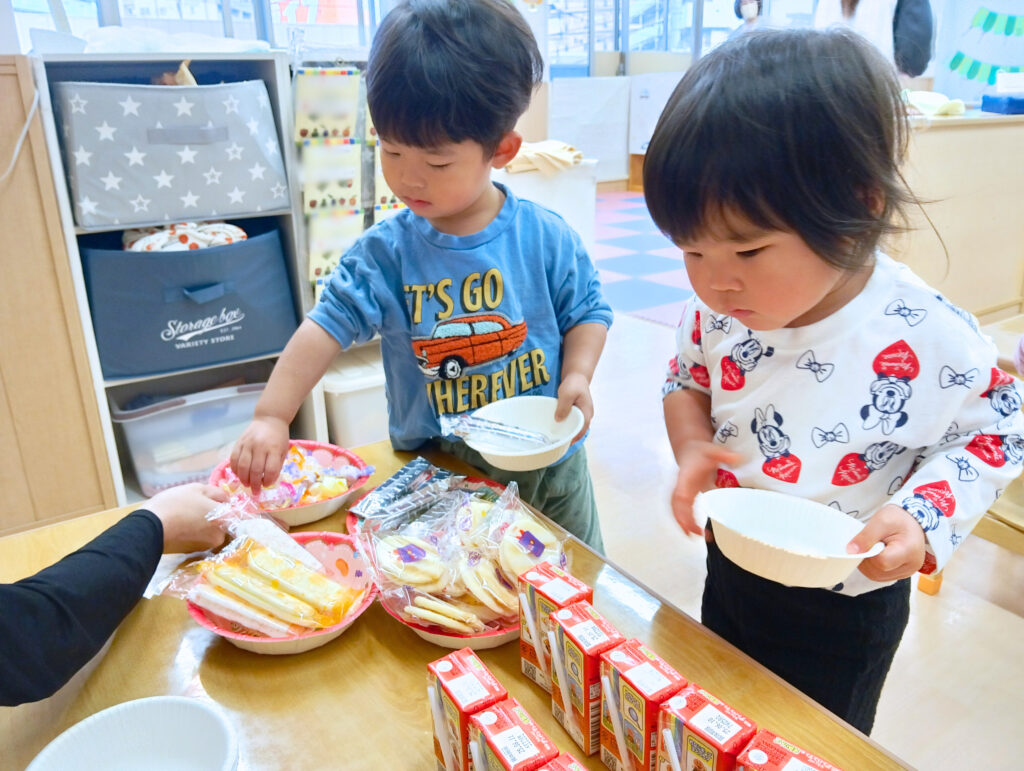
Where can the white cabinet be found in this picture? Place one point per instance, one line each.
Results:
(272, 68)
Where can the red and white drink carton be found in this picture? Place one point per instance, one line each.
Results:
(701, 732)
(463, 686)
(770, 752)
(547, 588)
(508, 739)
(581, 636)
(635, 681)
(564, 762)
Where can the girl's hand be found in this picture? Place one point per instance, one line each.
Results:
(259, 454)
(575, 389)
(698, 467)
(904, 541)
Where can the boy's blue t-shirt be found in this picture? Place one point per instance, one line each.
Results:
(463, 320)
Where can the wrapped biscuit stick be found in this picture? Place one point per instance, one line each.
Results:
(492, 431)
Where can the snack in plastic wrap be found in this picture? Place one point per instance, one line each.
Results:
(264, 591)
(303, 480)
(443, 554)
(526, 543)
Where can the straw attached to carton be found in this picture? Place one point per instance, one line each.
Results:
(616, 717)
(531, 625)
(440, 731)
(670, 749)
(558, 665)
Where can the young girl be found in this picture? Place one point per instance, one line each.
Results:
(809, 362)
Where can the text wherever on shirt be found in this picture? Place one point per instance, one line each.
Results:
(477, 337)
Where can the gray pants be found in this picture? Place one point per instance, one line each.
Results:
(563, 492)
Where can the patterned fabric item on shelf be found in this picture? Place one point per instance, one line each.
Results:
(140, 155)
(325, 102)
(331, 174)
(331, 233)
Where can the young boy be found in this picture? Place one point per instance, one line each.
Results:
(477, 295)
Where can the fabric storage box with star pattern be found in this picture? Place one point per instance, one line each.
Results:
(156, 312)
(143, 155)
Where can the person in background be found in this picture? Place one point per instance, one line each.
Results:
(54, 622)
(477, 295)
(750, 12)
(809, 362)
(901, 29)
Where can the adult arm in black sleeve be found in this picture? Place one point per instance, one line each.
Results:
(912, 30)
(53, 623)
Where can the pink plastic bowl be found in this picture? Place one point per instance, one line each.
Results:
(344, 562)
(328, 455)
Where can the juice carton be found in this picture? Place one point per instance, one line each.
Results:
(700, 732)
(508, 739)
(462, 686)
(634, 683)
(546, 588)
(564, 762)
(581, 636)
(769, 752)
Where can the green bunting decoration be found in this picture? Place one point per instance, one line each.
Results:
(971, 68)
(998, 23)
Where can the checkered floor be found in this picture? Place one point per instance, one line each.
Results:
(641, 271)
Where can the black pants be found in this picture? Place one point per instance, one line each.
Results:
(835, 648)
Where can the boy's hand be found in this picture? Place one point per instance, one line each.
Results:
(259, 453)
(904, 541)
(575, 389)
(698, 467)
(182, 510)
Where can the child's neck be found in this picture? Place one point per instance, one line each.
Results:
(475, 217)
(848, 287)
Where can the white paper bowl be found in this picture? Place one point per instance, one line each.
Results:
(783, 538)
(310, 512)
(345, 564)
(159, 734)
(478, 642)
(535, 413)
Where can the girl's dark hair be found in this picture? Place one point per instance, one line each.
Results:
(795, 130)
(450, 70)
(738, 3)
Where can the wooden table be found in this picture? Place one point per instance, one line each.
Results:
(360, 701)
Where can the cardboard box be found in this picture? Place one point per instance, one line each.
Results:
(635, 682)
(770, 752)
(464, 686)
(564, 762)
(508, 739)
(546, 588)
(701, 732)
(581, 636)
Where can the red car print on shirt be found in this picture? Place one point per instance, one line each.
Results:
(466, 341)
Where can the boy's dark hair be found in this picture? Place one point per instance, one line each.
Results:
(795, 130)
(450, 70)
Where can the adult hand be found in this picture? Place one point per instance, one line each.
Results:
(698, 467)
(575, 389)
(260, 452)
(182, 510)
(904, 541)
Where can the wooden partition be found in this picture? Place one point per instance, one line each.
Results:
(54, 463)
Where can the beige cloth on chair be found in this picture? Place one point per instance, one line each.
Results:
(548, 157)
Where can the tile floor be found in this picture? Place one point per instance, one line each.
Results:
(641, 271)
(953, 698)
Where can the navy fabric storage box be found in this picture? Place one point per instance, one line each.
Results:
(164, 311)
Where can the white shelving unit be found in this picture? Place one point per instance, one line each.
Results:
(272, 68)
